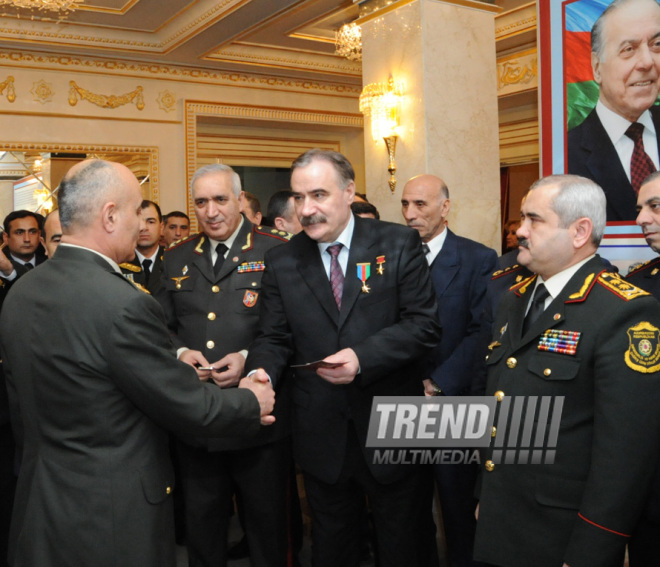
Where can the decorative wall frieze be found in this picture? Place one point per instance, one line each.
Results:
(28, 60)
(166, 101)
(42, 91)
(8, 84)
(518, 72)
(105, 101)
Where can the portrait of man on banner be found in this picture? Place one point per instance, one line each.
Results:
(611, 62)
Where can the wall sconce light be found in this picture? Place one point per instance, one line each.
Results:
(382, 101)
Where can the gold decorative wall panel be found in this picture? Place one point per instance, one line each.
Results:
(517, 73)
(105, 101)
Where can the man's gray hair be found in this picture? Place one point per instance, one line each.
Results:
(597, 42)
(578, 197)
(341, 165)
(81, 194)
(217, 168)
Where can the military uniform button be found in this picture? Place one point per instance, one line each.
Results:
(511, 362)
(168, 490)
(499, 395)
(178, 286)
(215, 289)
(493, 432)
(254, 284)
(547, 372)
(490, 465)
(211, 316)
(210, 344)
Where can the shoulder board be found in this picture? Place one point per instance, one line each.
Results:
(182, 241)
(274, 232)
(506, 271)
(130, 267)
(140, 287)
(644, 266)
(521, 287)
(620, 287)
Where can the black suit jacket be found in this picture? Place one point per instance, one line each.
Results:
(93, 382)
(391, 329)
(133, 271)
(592, 154)
(580, 508)
(218, 315)
(460, 275)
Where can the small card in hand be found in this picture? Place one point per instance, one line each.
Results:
(318, 364)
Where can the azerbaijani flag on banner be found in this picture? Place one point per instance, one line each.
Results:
(581, 89)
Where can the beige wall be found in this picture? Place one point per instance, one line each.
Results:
(42, 113)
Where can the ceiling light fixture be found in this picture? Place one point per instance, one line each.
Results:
(348, 42)
(62, 7)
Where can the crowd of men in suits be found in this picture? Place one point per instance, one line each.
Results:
(257, 348)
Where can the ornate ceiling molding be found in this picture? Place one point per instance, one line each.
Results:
(173, 34)
(270, 56)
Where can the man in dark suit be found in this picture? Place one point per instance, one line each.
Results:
(626, 65)
(643, 546)
(357, 294)
(21, 237)
(576, 334)
(212, 296)
(147, 265)
(460, 271)
(92, 391)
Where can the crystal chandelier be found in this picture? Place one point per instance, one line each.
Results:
(62, 7)
(348, 42)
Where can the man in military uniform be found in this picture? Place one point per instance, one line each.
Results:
(589, 339)
(147, 266)
(643, 546)
(212, 296)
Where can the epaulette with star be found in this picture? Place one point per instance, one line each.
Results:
(654, 264)
(130, 267)
(182, 241)
(506, 271)
(274, 232)
(620, 287)
(521, 287)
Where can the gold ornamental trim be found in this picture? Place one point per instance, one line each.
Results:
(8, 84)
(105, 101)
(517, 72)
(44, 62)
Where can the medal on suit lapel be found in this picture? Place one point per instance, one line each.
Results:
(363, 273)
(380, 260)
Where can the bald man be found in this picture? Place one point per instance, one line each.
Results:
(91, 392)
(460, 271)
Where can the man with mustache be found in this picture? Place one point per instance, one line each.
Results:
(356, 294)
(586, 343)
(617, 144)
